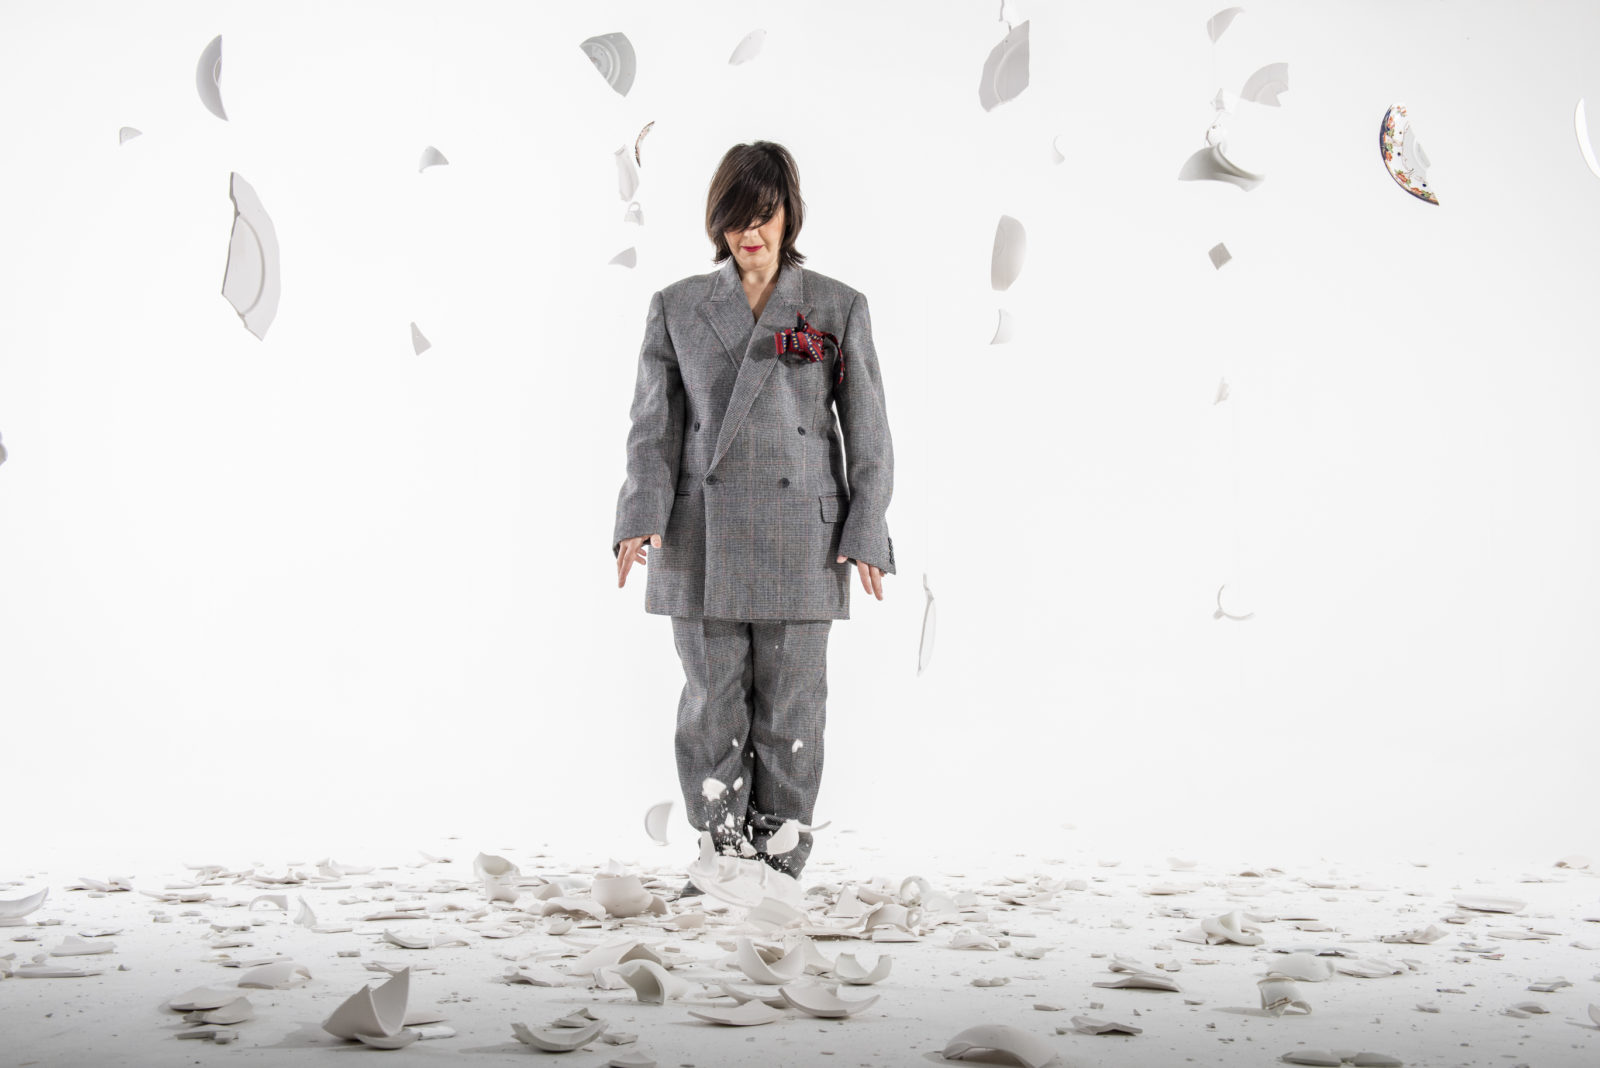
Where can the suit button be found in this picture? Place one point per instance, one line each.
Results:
(801, 429)
(710, 479)
(697, 424)
(783, 482)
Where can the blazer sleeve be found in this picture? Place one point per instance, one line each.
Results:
(869, 451)
(655, 440)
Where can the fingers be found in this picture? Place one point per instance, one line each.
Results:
(632, 551)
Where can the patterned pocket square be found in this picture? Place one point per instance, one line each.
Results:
(806, 341)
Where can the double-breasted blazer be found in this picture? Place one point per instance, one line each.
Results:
(756, 469)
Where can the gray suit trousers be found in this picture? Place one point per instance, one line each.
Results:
(751, 716)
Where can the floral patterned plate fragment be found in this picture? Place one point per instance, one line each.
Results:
(1403, 155)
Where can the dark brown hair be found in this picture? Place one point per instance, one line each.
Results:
(750, 183)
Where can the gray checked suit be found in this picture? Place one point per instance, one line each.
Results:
(757, 470)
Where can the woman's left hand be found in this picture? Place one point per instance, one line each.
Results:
(871, 577)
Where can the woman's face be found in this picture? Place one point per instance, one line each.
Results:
(755, 248)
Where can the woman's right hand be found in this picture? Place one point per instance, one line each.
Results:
(631, 550)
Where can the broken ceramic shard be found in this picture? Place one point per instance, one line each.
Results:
(1219, 255)
(128, 133)
(1306, 966)
(627, 174)
(751, 1013)
(283, 974)
(203, 998)
(637, 141)
(433, 941)
(236, 1011)
(1027, 1049)
(748, 48)
(250, 282)
(1088, 1025)
(786, 969)
(1010, 247)
(399, 1040)
(372, 1010)
(651, 982)
(1580, 126)
(713, 788)
(558, 1039)
(1055, 149)
(612, 55)
(628, 257)
(1142, 981)
(1278, 994)
(1488, 903)
(1232, 612)
(1266, 84)
(499, 877)
(1002, 330)
(1212, 164)
(73, 946)
(1402, 154)
(1005, 72)
(848, 969)
(634, 214)
(816, 999)
(12, 912)
(621, 895)
(39, 969)
(431, 157)
(1218, 23)
(655, 821)
(633, 1058)
(208, 77)
(419, 344)
(784, 839)
(929, 624)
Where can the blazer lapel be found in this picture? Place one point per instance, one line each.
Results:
(728, 311)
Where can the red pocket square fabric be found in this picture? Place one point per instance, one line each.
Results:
(806, 341)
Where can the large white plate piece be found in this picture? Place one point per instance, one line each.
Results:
(612, 55)
(250, 282)
(208, 77)
(1005, 72)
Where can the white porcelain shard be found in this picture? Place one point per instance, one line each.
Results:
(372, 1010)
(621, 895)
(1313, 1056)
(1266, 84)
(1368, 967)
(614, 953)
(1304, 966)
(633, 1058)
(612, 55)
(751, 1013)
(850, 970)
(627, 174)
(1279, 994)
(748, 48)
(772, 915)
(784, 970)
(38, 970)
(399, 1040)
(1222, 391)
(816, 999)
(429, 941)
(967, 938)
(208, 77)
(1546, 986)
(1005, 72)
(203, 998)
(499, 876)
(1594, 1014)
(1212, 164)
(634, 214)
(1002, 330)
(1088, 1025)
(419, 345)
(784, 839)
(1025, 1048)
(651, 982)
(558, 1039)
(1225, 612)
(713, 788)
(1580, 127)
(1217, 24)
(740, 881)
(236, 1011)
(1010, 248)
(1055, 149)
(1421, 935)
(250, 282)
(1230, 927)
(431, 157)
(279, 976)
(628, 257)
(128, 133)
(1219, 255)
(73, 946)
(1142, 981)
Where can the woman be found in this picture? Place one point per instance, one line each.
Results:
(756, 509)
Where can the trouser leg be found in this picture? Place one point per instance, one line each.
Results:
(712, 739)
(790, 698)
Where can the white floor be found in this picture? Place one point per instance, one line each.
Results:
(1471, 975)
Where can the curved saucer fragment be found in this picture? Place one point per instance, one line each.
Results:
(250, 282)
(749, 1014)
(1223, 613)
(1211, 164)
(431, 157)
(1218, 24)
(1026, 1049)
(850, 970)
(628, 257)
(372, 1010)
(1010, 248)
(655, 821)
(208, 77)
(1265, 85)
(817, 999)
(1005, 72)
(748, 48)
(1580, 126)
(558, 1039)
(612, 55)
(128, 133)
(419, 344)
(1402, 154)
(11, 912)
(627, 174)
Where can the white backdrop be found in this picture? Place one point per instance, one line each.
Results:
(317, 593)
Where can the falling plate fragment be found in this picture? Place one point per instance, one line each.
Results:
(656, 820)
(1002, 334)
(1265, 85)
(1580, 126)
(128, 133)
(1010, 247)
(1217, 24)
(1212, 164)
(372, 1010)
(1005, 72)
(419, 344)
(1219, 255)
(250, 282)
(637, 141)
(621, 895)
(1090, 1026)
(1278, 994)
(817, 999)
(208, 77)
(612, 55)
(628, 257)
(748, 48)
(558, 1039)
(1026, 1049)
(627, 173)
(749, 1014)
(1402, 154)
(1223, 613)
(431, 157)
(929, 617)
